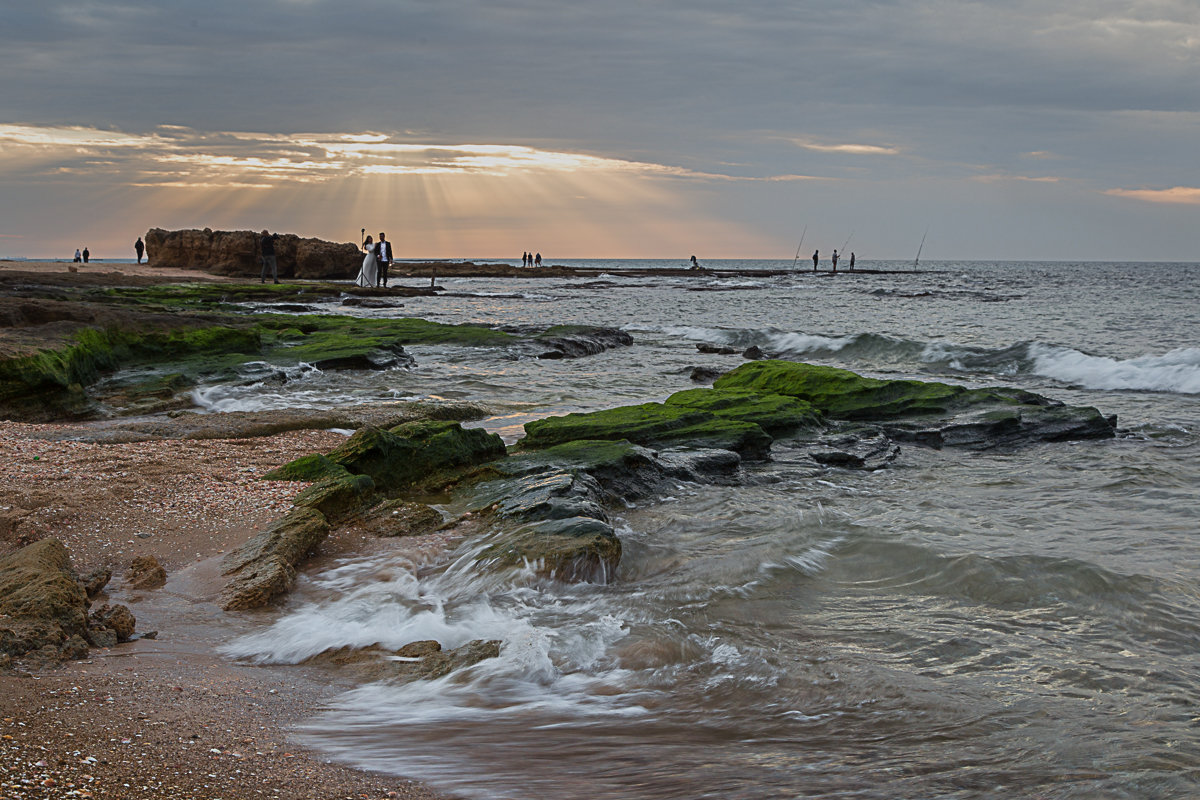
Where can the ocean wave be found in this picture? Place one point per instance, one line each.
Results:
(1175, 371)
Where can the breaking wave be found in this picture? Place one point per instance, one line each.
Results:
(1176, 371)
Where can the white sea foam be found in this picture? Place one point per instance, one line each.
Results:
(1175, 371)
(806, 343)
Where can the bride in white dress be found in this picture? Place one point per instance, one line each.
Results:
(366, 275)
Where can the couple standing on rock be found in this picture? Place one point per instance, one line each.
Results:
(375, 264)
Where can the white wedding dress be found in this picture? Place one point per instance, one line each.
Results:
(367, 275)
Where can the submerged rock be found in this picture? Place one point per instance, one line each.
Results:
(423, 660)
(577, 341)
(705, 374)
(851, 451)
(401, 518)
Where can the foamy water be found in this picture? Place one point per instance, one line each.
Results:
(960, 625)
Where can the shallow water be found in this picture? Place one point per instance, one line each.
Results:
(960, 625)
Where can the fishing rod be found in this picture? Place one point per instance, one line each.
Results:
(847, 244)
(797, 258)
(917, 260)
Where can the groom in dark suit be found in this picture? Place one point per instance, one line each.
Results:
(383, 260)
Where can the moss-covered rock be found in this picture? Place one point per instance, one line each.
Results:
(313, 467)
(697, 418)
(422, 453)
(776, 414)
(842, 394)
(338, 497)
(931, 413)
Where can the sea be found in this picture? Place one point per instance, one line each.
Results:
(962, 624)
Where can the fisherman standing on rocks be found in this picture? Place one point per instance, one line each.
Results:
(816, 257)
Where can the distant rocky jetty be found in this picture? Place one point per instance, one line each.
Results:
(237, 253)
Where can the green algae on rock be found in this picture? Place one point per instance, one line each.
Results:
(926, 412)
(416, 454)
(709, 418)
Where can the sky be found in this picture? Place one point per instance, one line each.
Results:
(1007, 129)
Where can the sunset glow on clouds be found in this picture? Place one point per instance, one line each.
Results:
(618, 129)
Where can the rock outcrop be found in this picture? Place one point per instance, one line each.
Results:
(44, 607)
(926, 412)
(237, 253)
(371, 463)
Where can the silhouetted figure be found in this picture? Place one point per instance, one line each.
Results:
(78, 256)
(537, 260)
(816, 257)
(139, 247)
(834, 258)
(86, 255)
(383, 259)
(695, 263)
(852, 261)
(267, 252)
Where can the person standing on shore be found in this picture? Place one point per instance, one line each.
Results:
(367, 275)
(816, 257)
(78, 256)
(537, 260)
(852, 261)
(834, 259)
(139, 247)
(695, 263)
(383, 260)
(267, 250)
(86, 254)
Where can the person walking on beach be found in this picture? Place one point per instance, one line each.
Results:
(852, 261)
(383, 260)
(834, 258)
(267, 253)
(816, 257)
(78, 256)
(139, 247)
(537, 260)
(367, 275)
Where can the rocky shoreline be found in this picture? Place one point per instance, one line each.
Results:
(263, 493)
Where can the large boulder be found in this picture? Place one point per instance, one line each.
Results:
(42, 605)
(237, 253)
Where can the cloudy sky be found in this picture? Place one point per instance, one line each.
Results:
(1010, 129)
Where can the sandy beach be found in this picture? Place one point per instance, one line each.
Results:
(162, 717)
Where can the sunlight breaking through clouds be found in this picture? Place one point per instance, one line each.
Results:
(175, 156)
